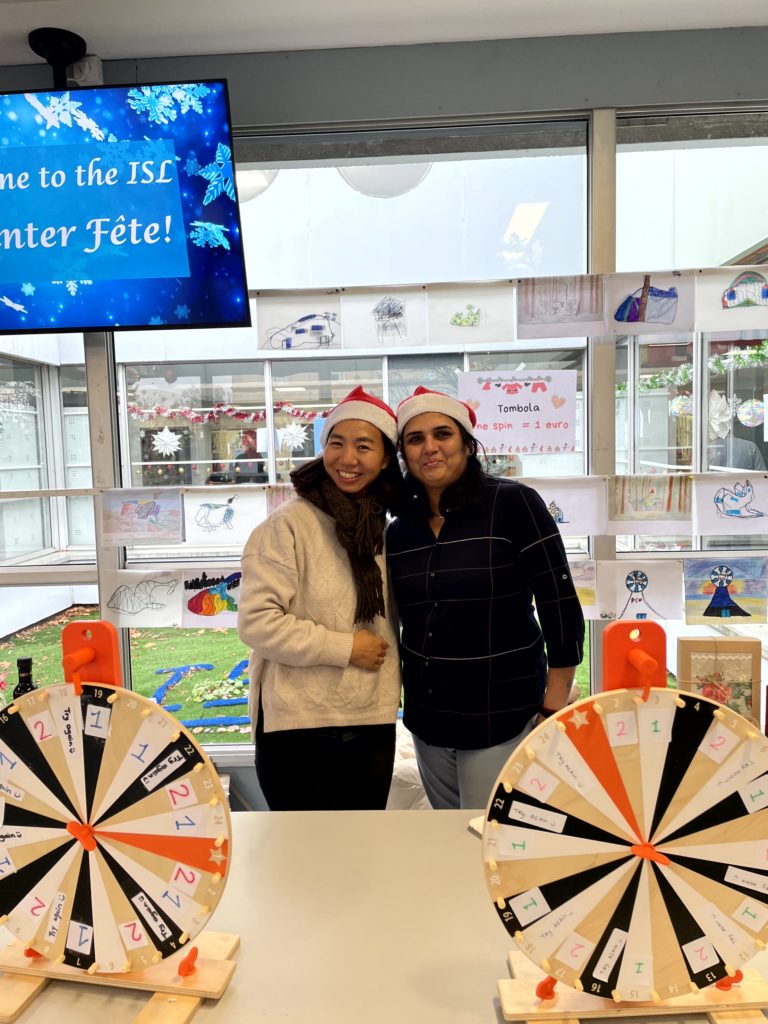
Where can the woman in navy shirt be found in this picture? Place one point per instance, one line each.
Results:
(468, 559)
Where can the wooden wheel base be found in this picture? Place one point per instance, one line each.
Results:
(174, 1001)
(517, 996)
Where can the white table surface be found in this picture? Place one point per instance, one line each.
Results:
(344, 918)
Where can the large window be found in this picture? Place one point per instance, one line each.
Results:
(24, 523)
(305, 389)
(77, 455)
(411, 207)
(690, 189)
(189, 423)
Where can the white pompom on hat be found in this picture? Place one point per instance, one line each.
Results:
(423, 400)
(359, 405)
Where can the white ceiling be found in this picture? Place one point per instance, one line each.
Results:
(153, 28)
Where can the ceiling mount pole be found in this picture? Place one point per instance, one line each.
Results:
(60, 48)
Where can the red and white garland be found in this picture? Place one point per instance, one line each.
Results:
(214, 414)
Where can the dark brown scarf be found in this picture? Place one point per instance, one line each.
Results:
(359, 524)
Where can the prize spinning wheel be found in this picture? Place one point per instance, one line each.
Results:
(626, 844)
(115, 829)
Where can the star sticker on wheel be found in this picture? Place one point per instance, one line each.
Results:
(579, 718)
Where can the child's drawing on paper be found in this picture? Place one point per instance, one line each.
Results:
(583, 574)
(313, 330)
(736, 502)
(651, 590)
(722, 605)
(151, 594)
(724, 590)
(210, 598)
(212, 516)
(141, 515)
(637, 605)
(561, 304)
(216, 517)
(556, 512)
(648, 305)
(389, 316)
(748, 289)
(467, 317)
(650, 497)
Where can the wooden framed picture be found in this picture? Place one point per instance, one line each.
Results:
(726, 669)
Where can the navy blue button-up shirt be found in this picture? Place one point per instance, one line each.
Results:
(474, 652)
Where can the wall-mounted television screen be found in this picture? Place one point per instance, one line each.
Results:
(118, 209)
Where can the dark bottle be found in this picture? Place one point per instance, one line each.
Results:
(25, 684)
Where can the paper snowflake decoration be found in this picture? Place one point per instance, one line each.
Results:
(166, 442)
(293, 436)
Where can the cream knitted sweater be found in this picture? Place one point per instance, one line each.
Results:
(296, 612)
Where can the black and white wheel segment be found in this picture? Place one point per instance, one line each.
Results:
(626, 844)
(115, 833)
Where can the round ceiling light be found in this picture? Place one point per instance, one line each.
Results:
(385, 181)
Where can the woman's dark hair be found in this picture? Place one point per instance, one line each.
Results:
(461, 494)
(388, 488)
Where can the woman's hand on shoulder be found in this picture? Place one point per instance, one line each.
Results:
(368, 650)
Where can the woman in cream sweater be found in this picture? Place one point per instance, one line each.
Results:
(314, 609)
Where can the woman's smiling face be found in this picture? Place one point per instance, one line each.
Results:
(354, 455)
(435, 452)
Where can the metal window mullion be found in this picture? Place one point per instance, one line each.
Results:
(385, 379)
(101, 386)
(269, 420)
(633, 379)
(52, 443)
(600, 385)
(699, 392)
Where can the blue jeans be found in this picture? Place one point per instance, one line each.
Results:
(462, 778)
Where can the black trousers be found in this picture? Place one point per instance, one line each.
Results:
(330, 769)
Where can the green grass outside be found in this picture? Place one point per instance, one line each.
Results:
(151, 649)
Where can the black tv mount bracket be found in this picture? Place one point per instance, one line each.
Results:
(60, 48)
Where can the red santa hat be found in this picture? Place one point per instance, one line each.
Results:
(359, 405)
(424, 400)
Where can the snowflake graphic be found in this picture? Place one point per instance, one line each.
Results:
(182, 312)
(27, 288)
(65, 112)
(72, 286)
(11, 304)
(166, 442)
(293, 436)
(156, 321)
(159, 102)
(204, 233)
(220, 175)
(192, 166)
